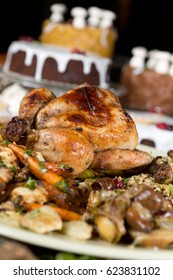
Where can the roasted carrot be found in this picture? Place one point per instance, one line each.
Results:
(2, 184)
(60, 198)
(37, 168)
(65, 214)
(58, 169)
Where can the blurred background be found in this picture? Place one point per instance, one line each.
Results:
(139, 22)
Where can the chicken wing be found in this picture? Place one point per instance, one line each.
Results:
(33, 102)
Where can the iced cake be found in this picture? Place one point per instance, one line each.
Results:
(148, 79)
(69, 53)
(89, 30)
(48, 63)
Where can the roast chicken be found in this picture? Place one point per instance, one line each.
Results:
(84, 126)
(95, 113)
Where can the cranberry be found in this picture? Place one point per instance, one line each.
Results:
(119, 184)
(169, 127)
(161, 125)
(165, 126)
(77, 51)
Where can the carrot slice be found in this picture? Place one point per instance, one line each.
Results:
(65, 214)
(37, 169)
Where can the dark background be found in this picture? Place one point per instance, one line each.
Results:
(148, 23)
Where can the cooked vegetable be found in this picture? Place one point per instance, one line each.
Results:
(8, 163)
(37, 168)
(41, 220)
(77, 229)
(65, 214)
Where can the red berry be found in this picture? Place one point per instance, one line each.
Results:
(78, 51)
(169, 127)
(119, 184)
(165, 126)
(161, 125)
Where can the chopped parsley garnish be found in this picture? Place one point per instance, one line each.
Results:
(61, 185)
(31, 183)
(41, 167)
(63, 165)
(6, 142)
(2, 164)
(29, 152)
(125, 180)
(14, 169)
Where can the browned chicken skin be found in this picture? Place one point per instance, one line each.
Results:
(84, 123)
(33, 102)
(63, 146)
(95, 113)
(119, 159)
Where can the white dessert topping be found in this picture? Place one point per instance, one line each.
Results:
(138, 58)
(79, 15)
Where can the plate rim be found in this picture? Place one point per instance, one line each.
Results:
(97, 248)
